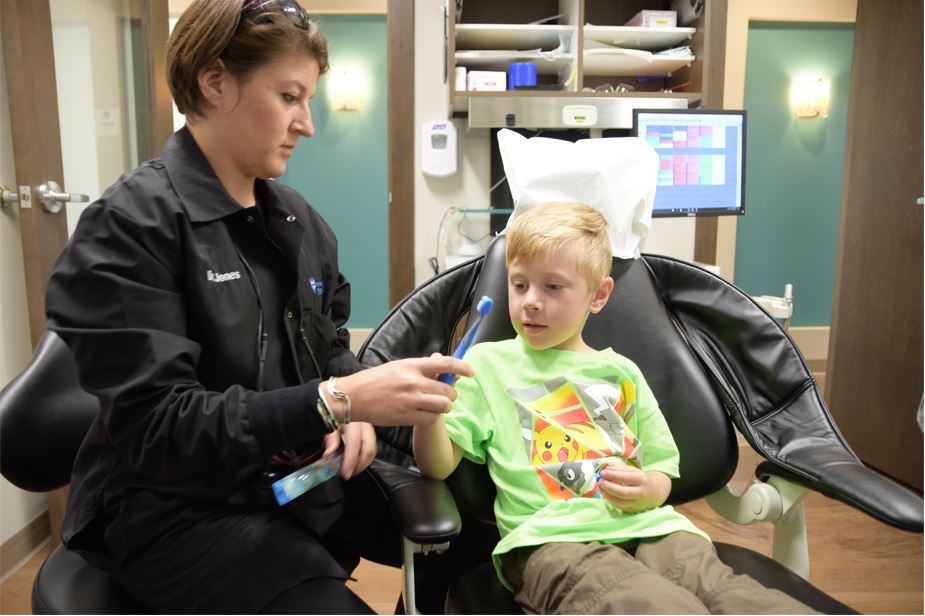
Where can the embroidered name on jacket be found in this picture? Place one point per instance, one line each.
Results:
(213, 277)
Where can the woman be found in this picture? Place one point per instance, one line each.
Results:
(205, 309)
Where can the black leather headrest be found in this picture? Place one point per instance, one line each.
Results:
(44, 416)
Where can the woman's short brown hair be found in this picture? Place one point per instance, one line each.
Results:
(210, 30)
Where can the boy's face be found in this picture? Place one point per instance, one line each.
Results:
(549, 300)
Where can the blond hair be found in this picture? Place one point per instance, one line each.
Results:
(211, 30)
(548, 228)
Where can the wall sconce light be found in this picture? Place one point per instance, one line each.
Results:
(347, 91)
(810, 97)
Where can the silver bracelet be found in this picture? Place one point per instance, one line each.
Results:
(327, 415)
(344, 398)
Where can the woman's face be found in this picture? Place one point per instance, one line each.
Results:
(268, 115)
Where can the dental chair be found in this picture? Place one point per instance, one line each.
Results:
(44, 416)
(712, 356)
(714, 359)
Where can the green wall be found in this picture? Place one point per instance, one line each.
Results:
(343, 169)
(793, 187)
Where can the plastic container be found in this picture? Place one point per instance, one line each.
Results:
(521, 74)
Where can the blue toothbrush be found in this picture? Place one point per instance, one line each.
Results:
(483, 308)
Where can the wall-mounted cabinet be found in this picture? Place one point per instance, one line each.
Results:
(581, 48)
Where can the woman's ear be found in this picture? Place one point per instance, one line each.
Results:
(215, 83)
(599, 300)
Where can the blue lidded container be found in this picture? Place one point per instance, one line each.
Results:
(521, 74)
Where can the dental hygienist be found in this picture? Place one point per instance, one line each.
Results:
(206, 311)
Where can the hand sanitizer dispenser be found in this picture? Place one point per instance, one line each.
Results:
(438, 158)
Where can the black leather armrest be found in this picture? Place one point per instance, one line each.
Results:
(861, 487)
(771, 395)
(422, 508)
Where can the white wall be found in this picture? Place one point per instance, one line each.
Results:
(76, 116)
(469, 186)
(90, 73)
(17, 508)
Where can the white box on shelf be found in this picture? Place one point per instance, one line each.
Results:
(654, 19)
(487, 81)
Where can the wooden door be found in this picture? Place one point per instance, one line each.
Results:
(401, 148)
(30, 31)
(874, 380)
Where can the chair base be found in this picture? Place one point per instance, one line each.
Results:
(478, 591)
(68, 584)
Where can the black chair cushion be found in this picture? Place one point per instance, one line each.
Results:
(478, 591)
(46, 398)
(68, 584)
(775, 575)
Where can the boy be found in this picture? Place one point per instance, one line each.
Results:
(577, 447)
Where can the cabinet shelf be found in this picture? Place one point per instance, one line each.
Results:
(508, 36)
(579, 52)
(461, 99)
(630, 62)
(649, 39)
(493, 60)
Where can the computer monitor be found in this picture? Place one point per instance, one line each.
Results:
(701, 160)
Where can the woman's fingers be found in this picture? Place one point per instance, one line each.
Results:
(351, 441)
(367, 447)
(402, 392)
(331, 443)
(435, 365)
(359, 447)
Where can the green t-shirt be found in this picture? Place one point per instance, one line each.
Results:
(546, 422)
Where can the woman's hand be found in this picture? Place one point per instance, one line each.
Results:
(359, 447)
(403, 392)
(359, 439)
(631, 490)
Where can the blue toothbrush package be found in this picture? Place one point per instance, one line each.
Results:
(301, 481)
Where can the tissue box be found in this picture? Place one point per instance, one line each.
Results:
(654, 19)
(487, 81)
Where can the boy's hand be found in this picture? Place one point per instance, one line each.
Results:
(632, 490)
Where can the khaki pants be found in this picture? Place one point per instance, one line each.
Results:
(676, 574)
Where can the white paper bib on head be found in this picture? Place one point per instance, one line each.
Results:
(616, 176)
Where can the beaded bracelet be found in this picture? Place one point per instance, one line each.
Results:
(327, 415)
(344, 398)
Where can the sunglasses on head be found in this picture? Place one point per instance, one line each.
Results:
(258, 11)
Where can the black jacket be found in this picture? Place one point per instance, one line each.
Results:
(159, 302)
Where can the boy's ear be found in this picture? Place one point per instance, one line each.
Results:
(214, 83)
(600, 297)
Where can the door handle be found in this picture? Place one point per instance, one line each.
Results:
(50, 195)
(53, 198)
(8, 197)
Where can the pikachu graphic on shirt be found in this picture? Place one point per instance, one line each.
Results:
(572, 429)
